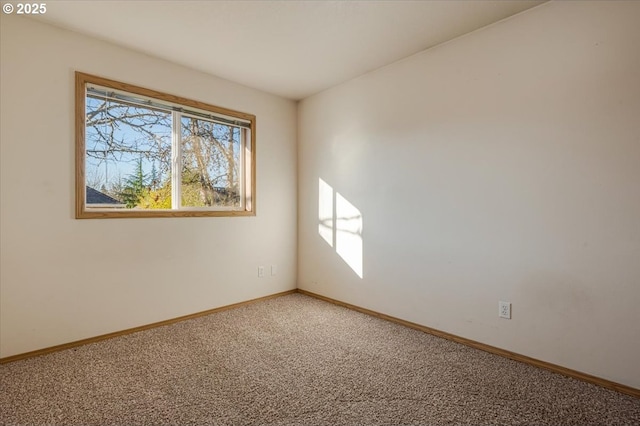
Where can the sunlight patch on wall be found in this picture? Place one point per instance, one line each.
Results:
(349, 233)
(325, 211)
(340, 225)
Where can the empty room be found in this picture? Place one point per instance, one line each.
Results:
(320, 212)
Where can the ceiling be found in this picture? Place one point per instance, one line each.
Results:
(289, 48)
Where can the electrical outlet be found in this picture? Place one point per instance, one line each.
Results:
(504, 310)
(274, 270)
(260, 271)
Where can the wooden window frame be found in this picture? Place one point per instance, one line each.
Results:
(81, 81)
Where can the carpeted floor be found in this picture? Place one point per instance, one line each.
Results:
(295, 360)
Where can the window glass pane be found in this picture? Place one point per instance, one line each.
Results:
(211, 164)
(128, 155)
(143, 153)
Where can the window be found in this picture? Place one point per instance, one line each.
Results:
(142, 153)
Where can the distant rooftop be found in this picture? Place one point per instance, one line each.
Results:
(96, 197)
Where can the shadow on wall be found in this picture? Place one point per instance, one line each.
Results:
(340, 225)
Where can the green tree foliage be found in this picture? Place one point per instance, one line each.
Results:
(156, 198)
(192, 195)
(134, 187)
(161, 198)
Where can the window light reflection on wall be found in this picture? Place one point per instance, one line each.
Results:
(340, 224)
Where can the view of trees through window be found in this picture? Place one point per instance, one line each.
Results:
(132, 152)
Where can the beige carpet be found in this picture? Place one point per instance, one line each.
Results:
(295, 360)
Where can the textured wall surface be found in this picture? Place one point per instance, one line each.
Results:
(65, 279)
(503, 165)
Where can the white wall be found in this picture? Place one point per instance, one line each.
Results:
(504, 165)
(64, 279)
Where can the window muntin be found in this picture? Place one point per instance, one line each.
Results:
(142, 153)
